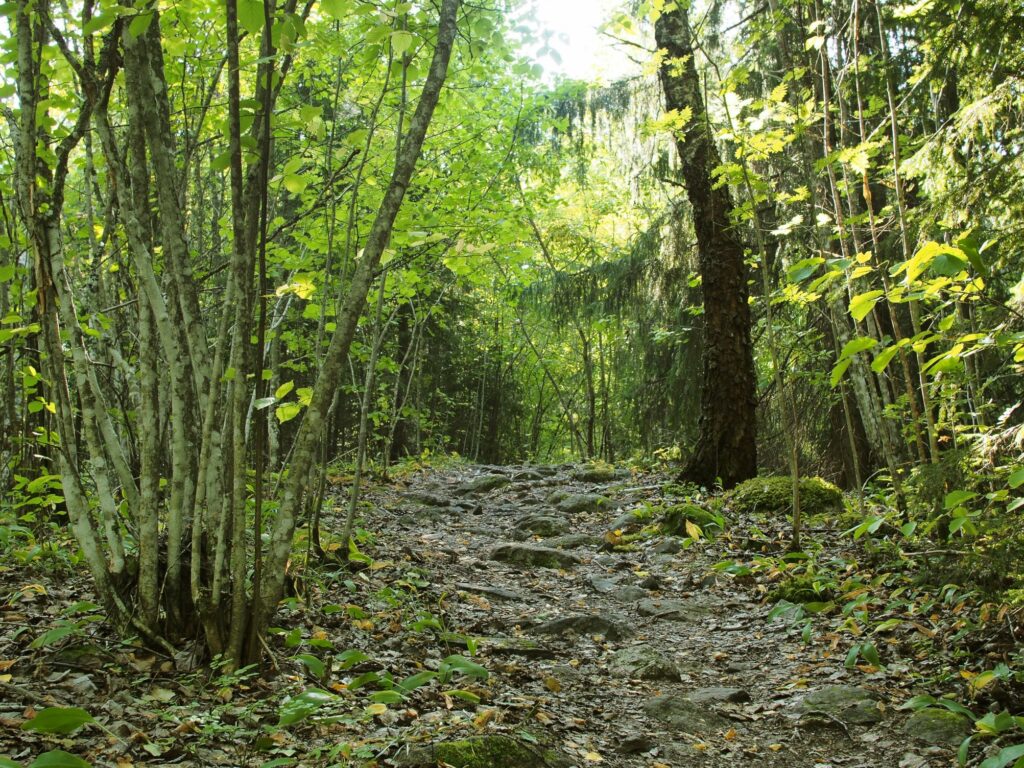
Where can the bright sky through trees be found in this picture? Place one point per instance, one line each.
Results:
(584, 52)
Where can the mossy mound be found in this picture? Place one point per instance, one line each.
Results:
(483, 752)
(673, 519)
(775, 494)
(800, 588)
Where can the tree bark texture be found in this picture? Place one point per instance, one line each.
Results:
(726, 447)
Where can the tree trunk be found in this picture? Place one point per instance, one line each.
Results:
(726, 447)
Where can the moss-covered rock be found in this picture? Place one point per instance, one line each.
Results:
(673, 519)
(937, 726)
(595, 473)
(530, 556)
(482, 752)
(775, 494)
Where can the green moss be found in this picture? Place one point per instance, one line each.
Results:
(800, 588)
(775, 494)
(673, 519)
(483, 752)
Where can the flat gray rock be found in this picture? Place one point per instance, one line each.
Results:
(676, 610)
(573, 541)
(683, 714)
(576, 503)
(628, 593)
(846, 703)
(719, 695)
(937, 726)
(484, 589)
(533, 555)
(642, 662)
(483, 483)
(585, 624)
(543, 525)
(601, 584)
(428, 498)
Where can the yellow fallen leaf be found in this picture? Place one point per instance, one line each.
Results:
(700, 746)
(6, 678)
(693, 530)
(376, 709)
(481, 720)
(730, 734)
(593, 757)
(552, 684)
(774, 747)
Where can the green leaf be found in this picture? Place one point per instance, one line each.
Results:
(918, 702)
(58, 758)
(1016, 480)
(336, 9)
(284, 389)
(298, 708)
(6, 272)
(413, 682)
(287, 412)
(250, 15)
(264, 402)
(456, 663)
(351, 657)
(863, 303)
(883, 358)
(465, 695)
(386, 697)
(804, 269)
(957, 498)
(315, 666)
(140, 24)
(400, 42)
(99, 22)
(61, 720)
(295, 183)
(853, 346)
(55, 635)
(1006, 756)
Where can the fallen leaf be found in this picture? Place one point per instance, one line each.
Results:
(593, 757)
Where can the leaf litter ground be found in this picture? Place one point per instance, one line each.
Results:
(602, 645)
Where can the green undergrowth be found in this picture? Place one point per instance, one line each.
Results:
(927, 596)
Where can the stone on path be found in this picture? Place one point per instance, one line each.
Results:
(427, 498)
(586, 624)
(937, 726)
(846, 703)
(483, 483)
(720, 695)
(484, 589)
(573, 541)
(534, 555)
(595, 473)
(543, 525)
(628, 593)
(676, 610)
(576, 503)
(683, 714)
(496, 751)
(642, 662)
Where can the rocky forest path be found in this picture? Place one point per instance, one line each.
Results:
(618, 650)
(504, 617)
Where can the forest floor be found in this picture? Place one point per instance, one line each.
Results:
(496, 611)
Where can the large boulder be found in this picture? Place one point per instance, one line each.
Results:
(775, 494)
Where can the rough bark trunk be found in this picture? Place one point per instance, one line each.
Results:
(726, 447)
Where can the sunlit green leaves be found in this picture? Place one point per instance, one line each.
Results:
(61, 720)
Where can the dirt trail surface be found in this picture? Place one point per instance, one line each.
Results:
(645, 657)
(500, 617)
